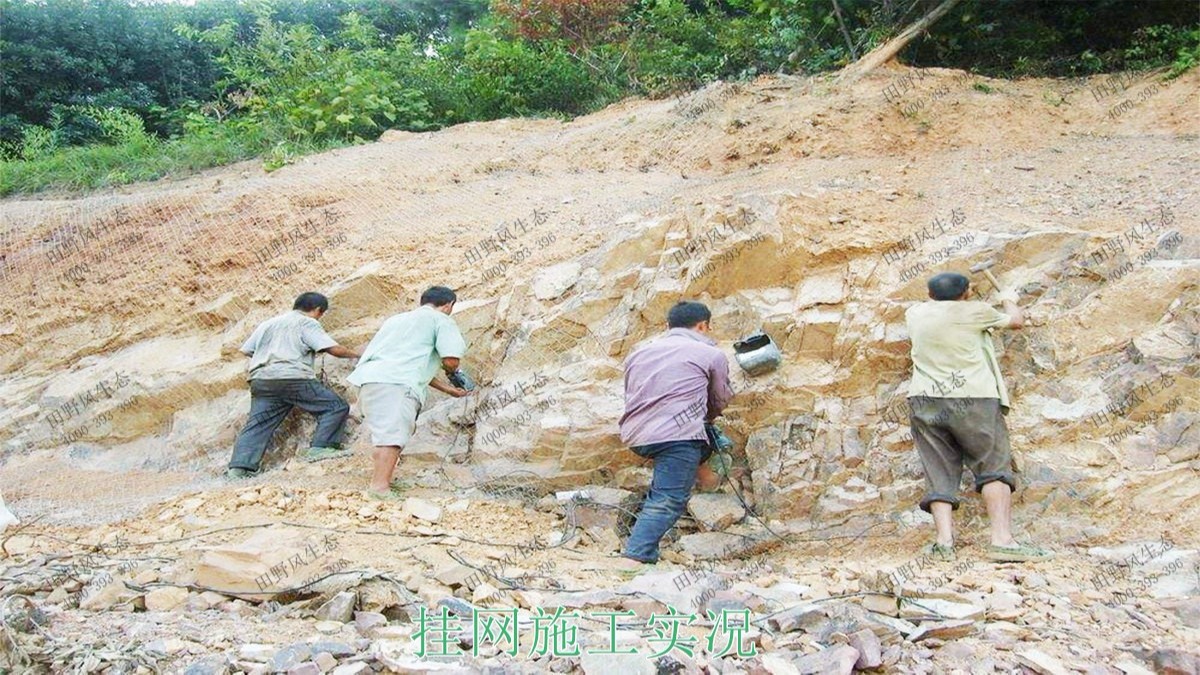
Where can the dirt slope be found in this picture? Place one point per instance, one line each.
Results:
(779, 202)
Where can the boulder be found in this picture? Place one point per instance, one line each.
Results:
(270, 560)
(715, 511)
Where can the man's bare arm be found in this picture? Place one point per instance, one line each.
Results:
(1018, 317)
(447, 388)
(343, 352)
(450, 364)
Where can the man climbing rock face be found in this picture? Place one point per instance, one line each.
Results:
(957, 399)
(397, 367)
(673, 385)
(281, 375)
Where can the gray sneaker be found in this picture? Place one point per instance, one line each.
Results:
(238, 473)
(321, 454)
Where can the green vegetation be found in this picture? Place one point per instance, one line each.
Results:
(103, 92)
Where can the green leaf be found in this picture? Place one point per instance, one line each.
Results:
(345, 118)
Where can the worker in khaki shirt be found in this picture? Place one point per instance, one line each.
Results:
(281, 375)
(958, 400)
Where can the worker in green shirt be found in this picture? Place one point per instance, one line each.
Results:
(395, 371)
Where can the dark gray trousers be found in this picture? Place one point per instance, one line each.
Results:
(270, 403)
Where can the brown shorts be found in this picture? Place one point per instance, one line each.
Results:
(949, 432)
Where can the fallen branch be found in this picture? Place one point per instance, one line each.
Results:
(888, 50)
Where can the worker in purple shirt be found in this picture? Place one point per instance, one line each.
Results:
(673, 385)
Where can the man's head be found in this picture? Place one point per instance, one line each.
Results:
(693, 315)
(948, 286)
(312, 304)
(440, 298)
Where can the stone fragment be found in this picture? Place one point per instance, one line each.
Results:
(258, 653)
(423, 509)
(608, 664)
(210, 665)
(292, 655)
(337, 649)
(325, 661)
(167, 646)
(306, 668)
(358, 668)
(551, 282)
(328, 627)
(943, 630)
(246, 568)
(1174, 661)
(733, 601)
(1040, 662)
(597, 506)
(1128, 666)
(165, 599)
(1188, 612)
(804, 617)
(485, 592)
(775, 664)
(881, 604)
(105, 597)
(455, 575)
(839, 660)
(870, 651)
(364, 622)
(715, 511)
(917, 607)
(338, 608)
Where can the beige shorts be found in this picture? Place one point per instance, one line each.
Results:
(391, 412)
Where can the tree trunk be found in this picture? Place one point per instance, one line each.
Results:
(837, 10)
(888, 50)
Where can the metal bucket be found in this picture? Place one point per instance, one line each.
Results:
(757, 354)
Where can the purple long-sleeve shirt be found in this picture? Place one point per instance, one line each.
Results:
(673, 384)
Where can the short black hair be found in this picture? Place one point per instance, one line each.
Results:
(686, 314)
(307, 302)
(438, 296)
(948, 286)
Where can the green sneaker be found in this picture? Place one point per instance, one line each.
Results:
(1018, 553)
(941, 553)
(389, 496)
(322, 454)
(238, 473)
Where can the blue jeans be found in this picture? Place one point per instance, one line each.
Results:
(675, 466)
(270, 403)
